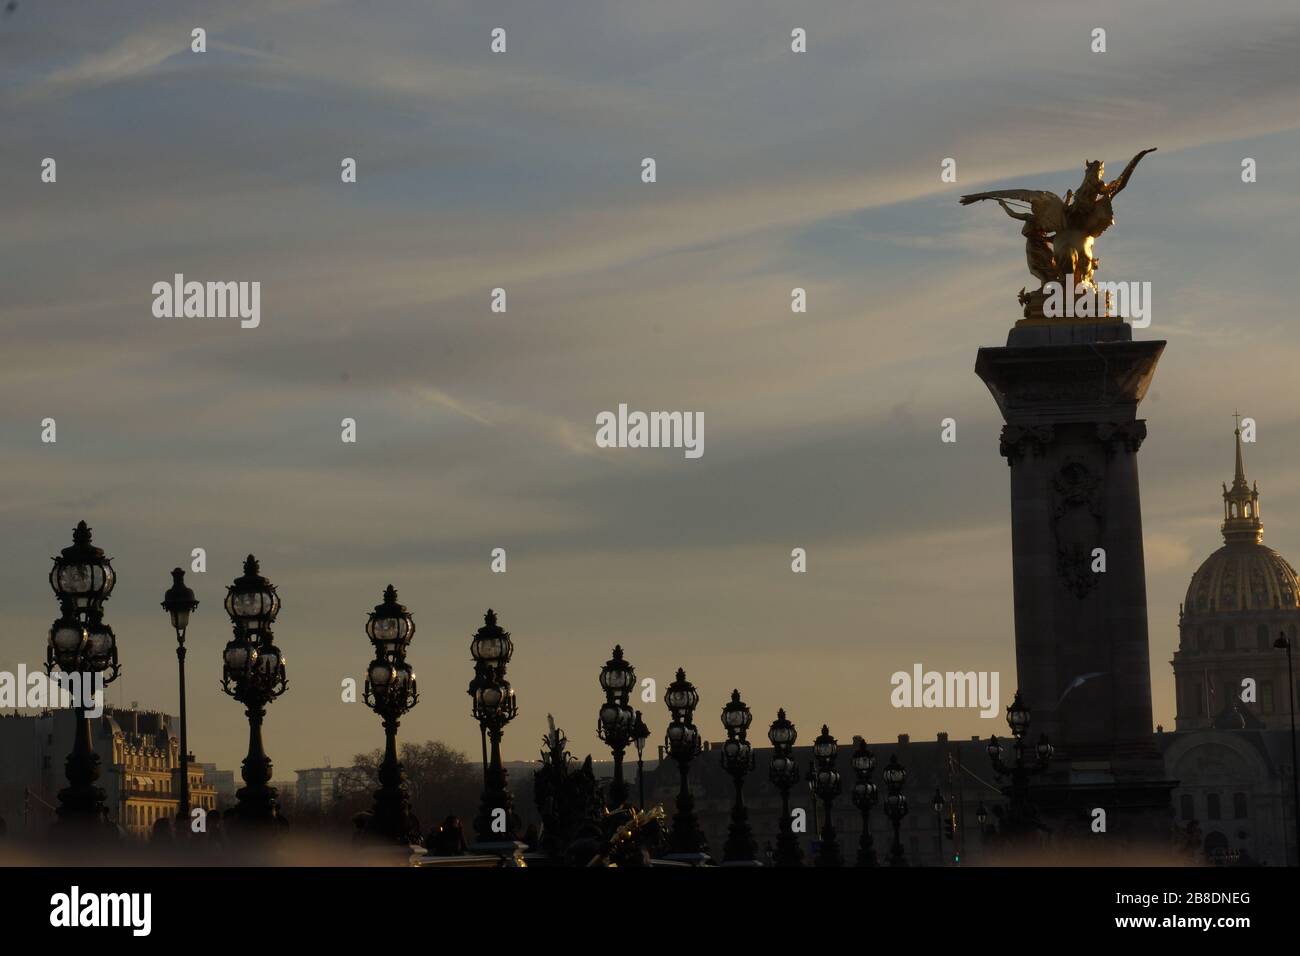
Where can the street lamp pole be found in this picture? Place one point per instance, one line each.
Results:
(81, 644)
(738, 761)
(827, 787)
(865, 795)
(1021, 816)
(1284, 644)
(895, 776)
(683, 738)
(783, 771)
(640, 734)
(390, 691)
(179, 603)
(253, 673)
(616, 721)
(494, 706)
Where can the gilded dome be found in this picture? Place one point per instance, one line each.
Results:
(1243, 575)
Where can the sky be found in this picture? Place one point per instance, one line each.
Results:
(476, 430)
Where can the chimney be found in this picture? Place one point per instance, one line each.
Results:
(943, 737)
(904, 738)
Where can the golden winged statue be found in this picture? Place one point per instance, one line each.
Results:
(1059, 233)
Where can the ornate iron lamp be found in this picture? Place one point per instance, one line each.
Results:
(738, 761)
(683, 739)
(865, 795)
(640, 734)
(895, 776)
(1021, 816)
(494, 706)
(617, 721)
(783, 772)
(179, 603)
(390, 691)
(253, 673)
(84, 649)
(826, 781)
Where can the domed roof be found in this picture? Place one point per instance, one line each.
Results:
(1243, 575)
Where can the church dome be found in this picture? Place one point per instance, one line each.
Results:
(1243, 575)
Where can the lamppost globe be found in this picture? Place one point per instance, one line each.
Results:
(782, 733)
(390, 626)
(736, 717)
(1044, 749)
(179, 602)
(252, 601)
(1018, 717)
(994, 749)
(82, 577)
(100, 648)
(682, 698)
(825, 746)
(617, 676)
(68, 640)
(862, 760)
(894, 774)
(491, 646)
(936, 801)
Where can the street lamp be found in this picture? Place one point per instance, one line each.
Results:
(253, 673)
(738, 761)
(390, 691)
(865, 795)
(895, 776)
(936, 804)
(84, 649)
(1020, 816)
(784, 774)
(494, 706)
(640, 734)
(826, 785)
(617, 720)
(683, 739)
(1283, 644)
(179, 603)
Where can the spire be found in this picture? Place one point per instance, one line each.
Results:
(1241, 522)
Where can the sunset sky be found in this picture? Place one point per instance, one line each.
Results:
(477, 430)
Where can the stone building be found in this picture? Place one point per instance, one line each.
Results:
(139, 756)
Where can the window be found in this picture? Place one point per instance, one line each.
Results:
(1239, 806)
(1200, 700)
(1266, 696)
(1229, 639)
(1261, 637)
(1212, 806)
(1187, 807)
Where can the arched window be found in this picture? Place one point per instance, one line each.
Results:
(1239, 811)
(1212, 810)
(1187, 807)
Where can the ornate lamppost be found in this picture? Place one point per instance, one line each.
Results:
(826, 781)
(640, 734)
(84, 649)
(865, 795)
(617, 721)
(895, 775)
(253, 673)
(497, 824)
(738, 761)
(685, 841)
(390, 691)
(179, 603)
(1021, 816)
(784, 774)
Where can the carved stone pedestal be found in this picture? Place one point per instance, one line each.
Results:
(1069, 395)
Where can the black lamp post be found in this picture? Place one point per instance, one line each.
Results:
(640, 734)
(390, 691)
(865, 796)
(738, 761)
(784, 774)
(81, 644)
(253, 673)
(617, 721)
(497, 824)
(1283, 644)
(826, 781)
(895, 776)
(936, 804)
(1020, 817)
(685, 840)
(179, 603)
